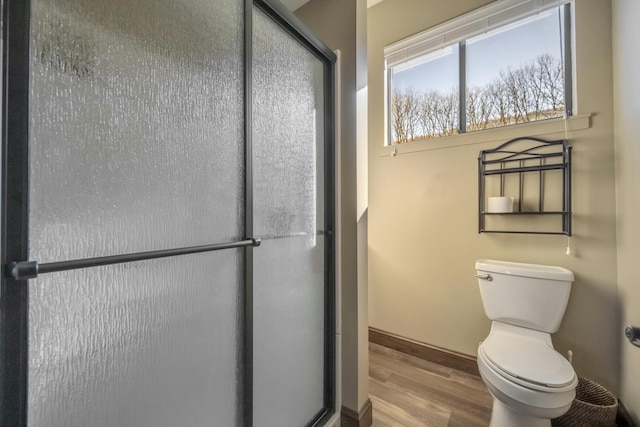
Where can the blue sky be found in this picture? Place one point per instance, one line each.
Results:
(487, 56)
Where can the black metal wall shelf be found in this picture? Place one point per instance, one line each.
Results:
(527, 158)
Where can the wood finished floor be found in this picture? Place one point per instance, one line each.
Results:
(407, 391)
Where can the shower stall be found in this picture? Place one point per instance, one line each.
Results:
(167, 215)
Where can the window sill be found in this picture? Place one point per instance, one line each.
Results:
(503, 134)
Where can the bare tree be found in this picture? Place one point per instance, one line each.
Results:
(404, 114)
(515, 83)
(480, 107)
(428, 116)
(551, 76)
(531, 92)
(501, 103)
(448, 109)
(438, 114)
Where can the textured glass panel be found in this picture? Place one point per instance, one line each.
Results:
(152, 343)
(136, 125)
(288, 193)
(289, 331)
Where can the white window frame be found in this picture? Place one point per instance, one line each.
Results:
(474, 23)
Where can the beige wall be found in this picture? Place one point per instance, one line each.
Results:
(423, 239)
(341, 24)
(626, 60)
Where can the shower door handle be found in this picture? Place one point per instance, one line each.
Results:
(24, 270)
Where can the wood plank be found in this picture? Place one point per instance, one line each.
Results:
(441, 356)
(436, 386)
(468, 380)
(386, 414)
(463, 419)
(448, 397)
(415, 361)
(410, 406)
(408, 391)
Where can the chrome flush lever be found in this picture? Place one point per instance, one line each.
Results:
(484, 277)
(633, 335)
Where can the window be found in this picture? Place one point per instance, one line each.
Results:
(506, 63)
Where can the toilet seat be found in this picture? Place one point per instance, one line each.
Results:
(527, 361)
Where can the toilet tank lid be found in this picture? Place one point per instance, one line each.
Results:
(548, 272)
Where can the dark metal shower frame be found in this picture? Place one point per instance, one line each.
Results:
(16, 270)
(499, 160)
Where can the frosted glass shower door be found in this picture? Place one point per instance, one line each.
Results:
(136, 119)
(147, 147)
(292, 311)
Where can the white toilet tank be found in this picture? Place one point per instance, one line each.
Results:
(528, 295)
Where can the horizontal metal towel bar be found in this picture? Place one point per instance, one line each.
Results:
(24, 270)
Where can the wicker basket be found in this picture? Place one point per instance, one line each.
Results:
(594, 406)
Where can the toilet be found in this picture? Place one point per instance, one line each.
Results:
(530, 382)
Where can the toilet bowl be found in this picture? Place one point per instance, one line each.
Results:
(530, 382)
